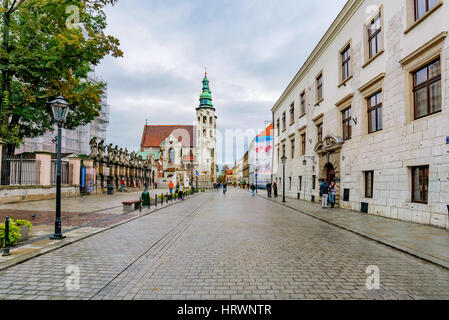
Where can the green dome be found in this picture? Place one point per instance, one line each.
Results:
(206, 96)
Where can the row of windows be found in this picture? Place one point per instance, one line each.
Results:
(420, 184)
(427, 101)
(427, 81)
(211, 119)
(419, 176)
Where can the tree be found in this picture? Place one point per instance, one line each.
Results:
(45, 53)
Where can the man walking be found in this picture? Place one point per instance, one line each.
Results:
(253, 189)
(324, 192)
(181, 192)
(225, 188)
(269, 189)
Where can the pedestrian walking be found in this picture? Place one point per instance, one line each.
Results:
(123, 185)
(324, 193)
(269, 189)
(171, 185)
(181, 192)
(332, 193)
(253, 189)
(225, 188)
(275, 189)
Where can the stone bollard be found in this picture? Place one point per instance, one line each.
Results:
(6, 249)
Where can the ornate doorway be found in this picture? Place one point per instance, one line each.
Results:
(329, 151)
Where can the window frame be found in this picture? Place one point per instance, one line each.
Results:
(371, 185)
(284, 121)
(415, 8)
(319, 88)
(320, 132)
(303, 143)
(346, 64)
(375, 108)
(292, 148)
(424, 189)
(346, 121)
(292, 113)
(426, 84)
(302, 104)
(376, 35)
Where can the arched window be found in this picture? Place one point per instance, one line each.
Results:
(211, 120)
(204, 132)
(172, 155)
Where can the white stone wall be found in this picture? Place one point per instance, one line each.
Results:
(401, 144)
(206, 143)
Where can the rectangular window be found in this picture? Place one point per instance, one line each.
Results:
(375, 112)
(303, 144)
(303, 104)
(420, 184)
(313, 182)
(423, 6)
(284, 126)
(319, 88)
(347, 128)
(293, 148)
(375, 36)
(300, 183)
(292, 113)
(427, 90)
(346, 63)
(283, 150)
(279, 126)
(320, 132)
(369, 184)
(290, 184)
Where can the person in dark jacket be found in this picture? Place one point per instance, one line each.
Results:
(324, 193)
(269, 189)
(275, 189)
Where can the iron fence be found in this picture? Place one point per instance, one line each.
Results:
(65, 172)
(16, 171)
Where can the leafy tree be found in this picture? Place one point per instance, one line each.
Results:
(45, 53)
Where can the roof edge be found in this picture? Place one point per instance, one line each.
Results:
(348, 10)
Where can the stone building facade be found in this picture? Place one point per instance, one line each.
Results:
(369, 110)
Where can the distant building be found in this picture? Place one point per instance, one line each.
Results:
(186, 150)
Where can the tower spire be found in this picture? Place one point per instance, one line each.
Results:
(206, 95)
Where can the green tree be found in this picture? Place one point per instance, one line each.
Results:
(48, 47)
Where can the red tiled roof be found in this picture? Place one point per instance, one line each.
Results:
(154, 135)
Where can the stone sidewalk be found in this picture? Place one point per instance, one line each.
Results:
(112, 204)
(425, 242)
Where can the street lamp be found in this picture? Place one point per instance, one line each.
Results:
(284, 161)
(60, 109)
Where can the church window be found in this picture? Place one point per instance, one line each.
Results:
(172, 155)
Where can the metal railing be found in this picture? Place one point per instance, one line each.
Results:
(65, 172)
(17, 171)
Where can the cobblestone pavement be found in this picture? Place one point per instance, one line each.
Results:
(226, 247)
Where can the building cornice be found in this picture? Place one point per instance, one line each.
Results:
(343, 17)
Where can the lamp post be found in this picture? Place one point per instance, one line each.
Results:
(60, 109)
(284, 161)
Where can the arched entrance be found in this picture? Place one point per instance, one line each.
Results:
(330, 172)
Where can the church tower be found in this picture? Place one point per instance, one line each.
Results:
(206, 137)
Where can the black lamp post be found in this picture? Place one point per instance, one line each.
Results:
(60, 110)
(284, 161)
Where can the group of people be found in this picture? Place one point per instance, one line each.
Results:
(328, 193)
(272, 188)
(179, 189)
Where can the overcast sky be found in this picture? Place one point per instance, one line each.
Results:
(252, 50)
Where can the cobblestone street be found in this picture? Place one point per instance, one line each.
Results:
(225, 247)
